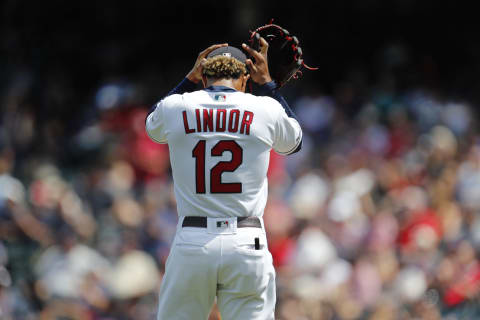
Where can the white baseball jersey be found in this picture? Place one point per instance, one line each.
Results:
(219, 141)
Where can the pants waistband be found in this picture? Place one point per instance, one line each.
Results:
(201, 222)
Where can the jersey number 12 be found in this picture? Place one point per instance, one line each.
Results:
(216, 184)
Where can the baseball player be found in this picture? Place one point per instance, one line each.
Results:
(219, 140)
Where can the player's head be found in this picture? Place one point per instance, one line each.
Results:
(226, 63)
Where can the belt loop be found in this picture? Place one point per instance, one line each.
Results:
(262, 223)
(180, 222)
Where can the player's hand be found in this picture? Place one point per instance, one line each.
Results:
(258, 70)
(195, 75)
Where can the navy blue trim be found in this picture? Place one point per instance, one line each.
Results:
(219, 89)
(298, 147)
(184, 86)
(270, 89)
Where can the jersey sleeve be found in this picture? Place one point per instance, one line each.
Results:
(155, 124)
(288, 134)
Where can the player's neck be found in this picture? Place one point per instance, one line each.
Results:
(236, 84)
(222, 82)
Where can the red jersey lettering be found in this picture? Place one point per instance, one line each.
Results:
(185, 123)
(208, 120)
(246, 122)
(221, 120)
(233, 120)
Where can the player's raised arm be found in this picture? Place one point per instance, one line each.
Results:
(190, 82)
(259, 73)
(195, 75)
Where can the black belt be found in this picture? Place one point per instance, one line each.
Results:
(201, 222)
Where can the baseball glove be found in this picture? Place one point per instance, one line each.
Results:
(284, 54)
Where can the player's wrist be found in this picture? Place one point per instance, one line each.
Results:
(269, 85)
(264, 79)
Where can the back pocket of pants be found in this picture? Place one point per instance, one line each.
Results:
(246, 245)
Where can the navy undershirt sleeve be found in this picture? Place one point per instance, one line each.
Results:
(184, 86)
(270, 89)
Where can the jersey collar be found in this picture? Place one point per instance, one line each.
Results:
(219, 89)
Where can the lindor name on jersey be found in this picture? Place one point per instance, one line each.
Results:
(206, 161)
(218, 120)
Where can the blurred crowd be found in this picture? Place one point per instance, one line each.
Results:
(378, 217)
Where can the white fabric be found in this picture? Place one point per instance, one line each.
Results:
(270, 128)
(204, 265)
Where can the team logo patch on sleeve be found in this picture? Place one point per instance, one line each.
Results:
(220, 97)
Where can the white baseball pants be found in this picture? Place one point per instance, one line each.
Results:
(221, 262)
